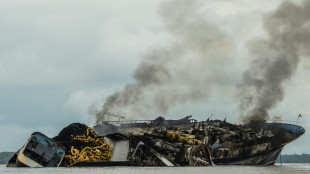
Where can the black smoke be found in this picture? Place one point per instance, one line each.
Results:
(276, 58)
(175, 74)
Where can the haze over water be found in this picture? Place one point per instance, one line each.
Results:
(284, 169)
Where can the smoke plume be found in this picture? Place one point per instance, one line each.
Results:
(276, 59)
(178, 73)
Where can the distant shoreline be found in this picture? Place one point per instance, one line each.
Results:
(294, 158)
(5, 156)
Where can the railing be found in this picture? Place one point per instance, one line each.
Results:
(108, 116)
(118, 123)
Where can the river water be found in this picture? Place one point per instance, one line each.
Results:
(284, 169)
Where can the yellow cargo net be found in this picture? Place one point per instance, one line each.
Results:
(97, 149)
(178, 136)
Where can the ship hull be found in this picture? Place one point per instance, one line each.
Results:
(284, 133)
(268, 158)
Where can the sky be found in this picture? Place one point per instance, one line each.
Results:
(58, 58)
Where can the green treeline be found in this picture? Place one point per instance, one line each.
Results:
(294, 158)
(5, 156)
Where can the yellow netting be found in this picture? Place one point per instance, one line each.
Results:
(178, 136)
(96, 150)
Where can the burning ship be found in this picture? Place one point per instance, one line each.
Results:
(189, 142)
(159, 142)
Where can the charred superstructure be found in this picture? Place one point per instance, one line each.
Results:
(189, 142)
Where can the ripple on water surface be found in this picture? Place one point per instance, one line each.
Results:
(284, 169)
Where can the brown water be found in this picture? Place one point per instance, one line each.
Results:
(284, 169)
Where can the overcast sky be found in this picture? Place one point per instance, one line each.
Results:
(57, 58)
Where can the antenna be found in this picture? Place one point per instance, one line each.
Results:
(298, 118)
(210, 116)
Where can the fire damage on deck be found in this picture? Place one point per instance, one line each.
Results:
(159, 142)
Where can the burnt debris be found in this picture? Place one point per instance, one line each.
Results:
(197, 144)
